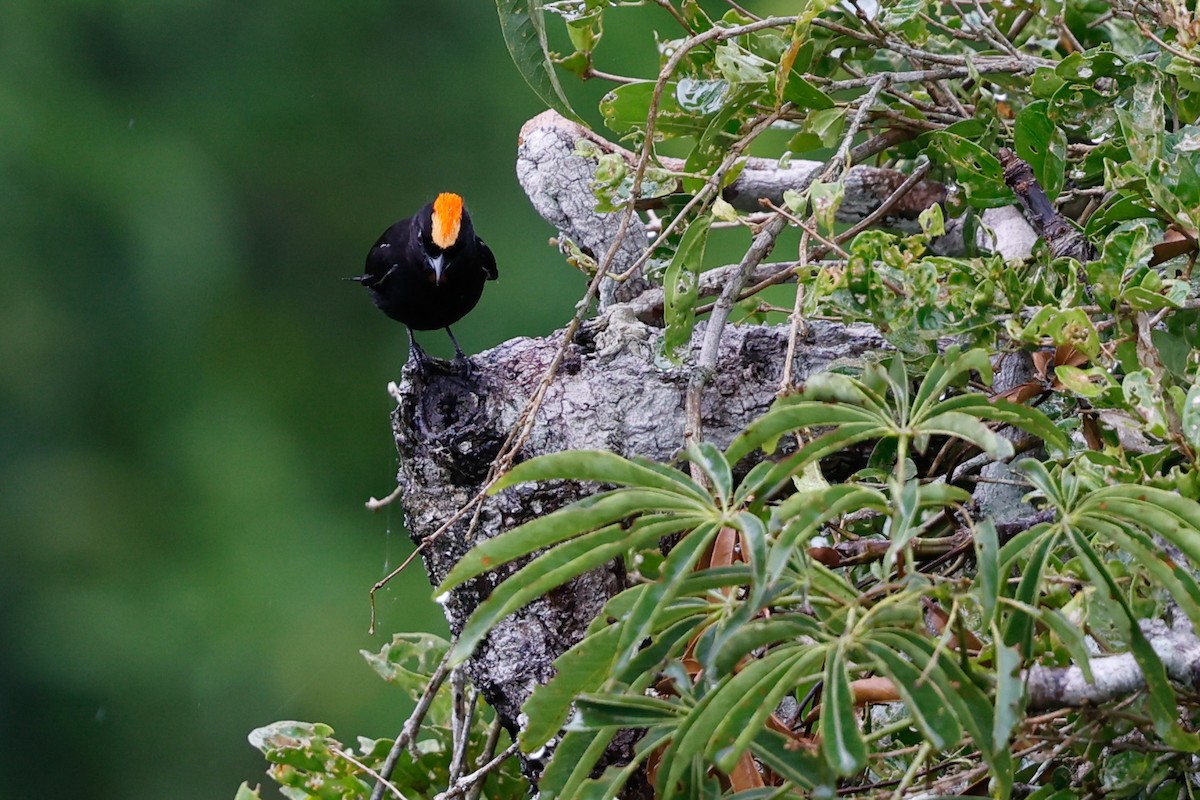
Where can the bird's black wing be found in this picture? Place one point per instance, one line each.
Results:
(487, 260)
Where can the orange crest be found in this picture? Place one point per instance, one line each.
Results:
(447, 219)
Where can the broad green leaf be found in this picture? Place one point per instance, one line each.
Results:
(1043, 145)
(626, 107)
(523, 25)
(841, 741)
(978, 171)
(681, 288)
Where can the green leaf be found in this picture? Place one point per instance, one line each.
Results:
(778, 421)
(945, 371)
(1010, 692)
(656, 600)
(714, 466)
(978, 171)
(625, 711)
(1043, 145)
(681, 288)
(760, 633)
(581, 669)
(1162, 703)
(566, 523)
(626, 108)
(754, 701)
(924, 698)
(801, 514)
(800, 766)
(1072, 638)
(972, 707)
(574, 759)
(841, 741)
(1019, 630)
(523, 25)
(970, 429)
(602, 466)
(1190, 418)
(552, 569)
(987, 560)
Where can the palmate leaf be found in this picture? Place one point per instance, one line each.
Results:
(754, 702)
(586, 515)
(552, 569)
(656, 600)
(923, 698)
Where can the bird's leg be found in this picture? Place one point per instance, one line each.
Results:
(459, 354)
(415, 351)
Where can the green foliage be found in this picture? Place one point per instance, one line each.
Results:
(307, 762)
(794, 624)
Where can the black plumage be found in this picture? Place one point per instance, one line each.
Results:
(428, 271)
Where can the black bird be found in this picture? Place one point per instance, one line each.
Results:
(428, 271)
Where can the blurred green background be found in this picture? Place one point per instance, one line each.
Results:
(193, 402)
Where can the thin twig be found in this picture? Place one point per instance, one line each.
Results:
(886, 206)
(461, 721)
(382, 780)
(408, 731)
(796, 322)
(489, 750)
(467, 781)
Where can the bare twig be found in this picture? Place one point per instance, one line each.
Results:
(408, 732)
(465, 783)
(489, 750)
(886, 206)
(382, 780)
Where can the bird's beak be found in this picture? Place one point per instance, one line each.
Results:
(437, 263)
